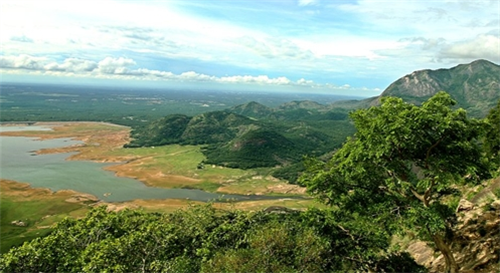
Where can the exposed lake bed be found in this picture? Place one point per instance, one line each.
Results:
(62, 156)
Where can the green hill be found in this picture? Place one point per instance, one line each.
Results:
(252, 109)
(265, 137)
(256, 148)
(167, 130)
(214, 127)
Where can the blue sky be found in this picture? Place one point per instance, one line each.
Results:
(342, 47)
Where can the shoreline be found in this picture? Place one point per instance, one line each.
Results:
(103, 142)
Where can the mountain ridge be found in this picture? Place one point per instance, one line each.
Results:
(475, 86)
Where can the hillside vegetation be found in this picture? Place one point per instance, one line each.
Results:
(253, 135)
(375, 189)
(203, 239)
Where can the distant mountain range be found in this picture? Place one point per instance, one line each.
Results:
(475, 87)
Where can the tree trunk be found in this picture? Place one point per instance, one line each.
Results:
(451, 264)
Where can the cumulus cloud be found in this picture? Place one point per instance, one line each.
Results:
(303, 81)
(153, 73)
(261, 79)
(115, 65)
(23, 61)
(72, 65)
(483, 46)
(120, 69)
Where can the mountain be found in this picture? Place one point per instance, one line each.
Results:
(252, 109)
(253, 135)
(213, 127)
(206, 128)
(305, 104)
(256, 148)
(475, 86)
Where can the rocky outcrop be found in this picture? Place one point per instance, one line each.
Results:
(474, 86)
(19, 223)
(476, 245)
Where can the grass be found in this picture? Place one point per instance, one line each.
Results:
(38, 208)
(179, 165)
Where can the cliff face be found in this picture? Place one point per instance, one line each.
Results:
(475, 86)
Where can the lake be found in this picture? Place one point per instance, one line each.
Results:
(19, 162)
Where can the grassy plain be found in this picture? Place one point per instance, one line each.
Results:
(37, 209)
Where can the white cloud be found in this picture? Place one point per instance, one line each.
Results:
(275, 48)
(115, 65)
(72, 65)
(261, 79)
(483, 46)
(23, 61)
(119, 68)
(22, 39)
(303, 81)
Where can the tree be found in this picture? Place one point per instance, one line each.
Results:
(492, 136)
(402, 166)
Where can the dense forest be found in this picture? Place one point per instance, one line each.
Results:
(404, 171)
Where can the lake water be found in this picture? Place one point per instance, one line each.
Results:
(19, 162)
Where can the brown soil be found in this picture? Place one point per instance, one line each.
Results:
(24, 192)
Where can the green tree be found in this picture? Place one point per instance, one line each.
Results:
(492, 136)
(401, 167)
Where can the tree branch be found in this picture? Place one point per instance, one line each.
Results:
(427, 193)
(419, 196)
(347, 232)
(427, 154)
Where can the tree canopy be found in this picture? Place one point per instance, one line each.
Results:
(492, 137)
(203, 239)
(402, 166)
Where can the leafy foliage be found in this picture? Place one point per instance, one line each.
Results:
(492, 136)
(201, 239)
(401, 164)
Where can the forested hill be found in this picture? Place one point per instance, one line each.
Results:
(475, 87)
(253, 135)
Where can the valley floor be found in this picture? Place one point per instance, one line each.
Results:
(174, 166)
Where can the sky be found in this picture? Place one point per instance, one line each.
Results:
(341, 47)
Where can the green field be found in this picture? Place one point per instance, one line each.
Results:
(38, 209)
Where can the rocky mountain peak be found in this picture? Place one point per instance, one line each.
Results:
(475, 86)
